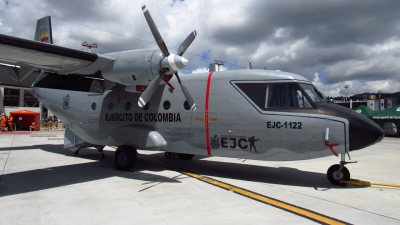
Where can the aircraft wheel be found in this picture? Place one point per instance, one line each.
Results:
(185, 156)
(334, 176)
(167, 154)
(125, 158)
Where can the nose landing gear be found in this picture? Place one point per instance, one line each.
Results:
(339, 172)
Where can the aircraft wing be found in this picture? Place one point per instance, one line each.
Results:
(33, 55)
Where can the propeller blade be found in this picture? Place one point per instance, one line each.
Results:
(186, 43)
(148, 93)
(154, 30)
(250, 66)
(188, 97)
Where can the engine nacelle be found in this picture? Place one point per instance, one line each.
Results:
(136, 67)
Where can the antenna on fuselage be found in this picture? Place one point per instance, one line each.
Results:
(212, 67)
(219, 63)
(250, 66)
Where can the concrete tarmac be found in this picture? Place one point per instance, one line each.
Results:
(41, 183)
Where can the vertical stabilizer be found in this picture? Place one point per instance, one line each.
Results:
(43, 30)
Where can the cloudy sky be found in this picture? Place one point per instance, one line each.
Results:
(332, 43)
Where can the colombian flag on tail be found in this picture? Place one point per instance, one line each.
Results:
(44, 37)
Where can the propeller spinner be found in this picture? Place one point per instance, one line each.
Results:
(170, 63)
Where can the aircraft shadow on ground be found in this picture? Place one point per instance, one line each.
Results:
(52, 177)
(21, 182)
(253, 173)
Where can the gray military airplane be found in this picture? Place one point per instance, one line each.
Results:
(250, 114)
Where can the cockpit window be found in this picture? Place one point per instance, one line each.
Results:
(313, 93)
(297, 99)
(275, 96)
(280, 95)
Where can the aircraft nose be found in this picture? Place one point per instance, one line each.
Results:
(363, 131)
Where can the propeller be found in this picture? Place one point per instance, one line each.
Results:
(186, 43)
(188, 97)
(170, 63)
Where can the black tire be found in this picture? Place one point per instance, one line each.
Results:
(125, 158)
(334, 176)
(167, 154)
(185, 156)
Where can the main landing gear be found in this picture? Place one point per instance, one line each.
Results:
(76, 152)
(100, 149)
(339, 172)
(180, 155)
(125, 157)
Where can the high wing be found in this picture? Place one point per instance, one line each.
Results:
(32, 63)
(33, 55)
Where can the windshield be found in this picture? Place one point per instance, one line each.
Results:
(313, 93)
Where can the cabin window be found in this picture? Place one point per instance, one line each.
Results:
(127, 106)
(186, 105)
(110, 106)
(166, 105)
(93, 105)
(146, 107)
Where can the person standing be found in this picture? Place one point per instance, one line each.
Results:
(50, 122)
(32, 126)
(55, 122)
(46, 123)
(10, 122)
(3, 122)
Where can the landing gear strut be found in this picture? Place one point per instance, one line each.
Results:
(76, 150)
(100, 149)
(339, 172)
(125, 157)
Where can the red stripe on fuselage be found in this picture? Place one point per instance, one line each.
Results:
(206, 114)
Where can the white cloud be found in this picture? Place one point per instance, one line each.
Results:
(200, 70)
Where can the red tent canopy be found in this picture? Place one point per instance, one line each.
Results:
(24, 118)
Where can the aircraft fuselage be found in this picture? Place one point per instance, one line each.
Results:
(233, 118)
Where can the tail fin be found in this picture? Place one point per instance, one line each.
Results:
(43, 30)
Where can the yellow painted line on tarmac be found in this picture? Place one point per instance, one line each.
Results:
(317, 217)
(367, 183)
